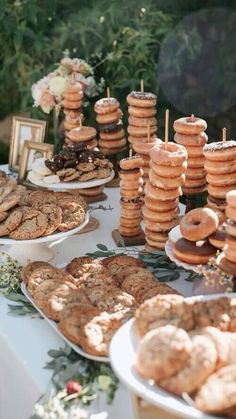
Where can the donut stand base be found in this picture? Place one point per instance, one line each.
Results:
(29, 252)
(97, 198)
(128, 241)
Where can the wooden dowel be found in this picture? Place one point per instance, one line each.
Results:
(192, 117)
(224, 131)
(167, 127)
(130, 151)
(142, 85)
(108, 93)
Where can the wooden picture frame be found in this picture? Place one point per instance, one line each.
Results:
(30, 148)
(23, 129)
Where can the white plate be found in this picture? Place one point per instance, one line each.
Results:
(125, 342)
(74, 185)
(54, 325)
(50, 238)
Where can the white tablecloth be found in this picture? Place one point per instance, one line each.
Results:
(24, 342)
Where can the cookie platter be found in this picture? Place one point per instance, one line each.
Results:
(54, 326)
(146, 389)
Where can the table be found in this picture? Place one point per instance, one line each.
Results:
(24, 342)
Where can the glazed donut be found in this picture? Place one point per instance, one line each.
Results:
(159, 216)
(106, 105)
(220, 180)
(131, 193)
(165, 182)
(195, 162)
(128, 222)
(131, 184)
(226, 265)
(73, 97)
(142, 122)
(191, 140)
(142, 112)
(160, 206)
(220, 151)
(134, 162)
(168, 171)
(82, 134)
(117, 135)
(68, 126)
(217, 239)
(230, 212)
(161, 194)
(230, 249)
(190, 125)
(129, 231)
(144, 139)
(220, 191)
(169, 154)
(133, 174)
(160, 226)
(72, 113)
(194, 151)
(155, 244)
(193, 191)
(154, 235)
(196, 173)
(112, 144)
(214, 203)
(220, 168)
(145, 148)
(231, 199)
(146, 159)
(69, 104)
(108, 118)
(190, 252)
(198, 224)
(194, 183)
(141, 131)
(142, 99)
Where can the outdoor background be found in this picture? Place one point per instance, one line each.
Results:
(122, 41)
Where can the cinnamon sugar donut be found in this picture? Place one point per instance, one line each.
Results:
(198, 224)
(161, 206)
(142, 122)
(169, 154)
(145, 148)
(142, 99)
(194, 151)
(225, 167)
(159, 216)
(165, 182)
(141, 131)
(191, 140)
(160, 226)
(134, 162)
(221, 180)
(142, 112)
(108, 118)
(168, 171)
(220, 191)
(106, 105)
(190, 125)
(195, 162)
(161, 194)
(220, 151)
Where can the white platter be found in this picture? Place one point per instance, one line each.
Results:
(125, 342)
(64, 186)
(54, 325)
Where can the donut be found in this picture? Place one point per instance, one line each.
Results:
(160, 226)
(130, 214)
(131, 193)
(110, 151)
(131, 174)
(169, 154)
(218, 168)
(189, 251)
(190, 125)
(130, 222)
(108, 118)
(145, 148)
(141, 131)
(230, 212)
(129, 231)
(226, 265)
(217, 239)
(194, 183)
(113, 144)
(112, 135)
(220, 191)
(165, 182)
(221, 180)
(160, 206)
(161, 194)
(196, 173)
(159, 216)
(191, 140)
(112, 127)
(131, 184)
(146, 159)
(198, 224)
(230, 227)
(142, 99)
(133, 139)
(106, 105)
(195, 162)
(68, 126)
(155, 244)
(193, 191)
(96, 190)
(72, 113)
(134, 162)
(142, 122)
(141, 112)
(220, 151)
(168, 171)
(220, 214)
(73, 88)
(91, 144)
(194, 151)
(230, 249)
(231, 199)
(146, 172)
(82, 134)
(69, 104)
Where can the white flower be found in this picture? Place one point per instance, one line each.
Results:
(37, 90)
(57, 85)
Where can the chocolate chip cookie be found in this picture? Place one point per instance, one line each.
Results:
(54, 217)
(33, 224)
(12, 221)
(72, 216)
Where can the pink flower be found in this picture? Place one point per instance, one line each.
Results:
(73, 387)
(47, 101)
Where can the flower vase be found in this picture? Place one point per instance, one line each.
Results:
(57, 142)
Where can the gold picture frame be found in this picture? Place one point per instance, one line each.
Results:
(30, 148)
(24, 129)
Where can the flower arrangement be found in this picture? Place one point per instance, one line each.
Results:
(48, 91)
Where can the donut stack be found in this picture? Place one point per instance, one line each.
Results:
(190, 133)
(72, 104)
(111, 134)
(131, 192)
(82, 134)
(220, 166)
(162, 191)
(142, 111)
(227, 259)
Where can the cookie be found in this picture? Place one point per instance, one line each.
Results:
(85, 177)
(39, 197)
(9, 201)
(7, 188)
(45, 287)
(3, 216)
(24, 198)
(122, 260)
(125, 271)
(59, 302)
(43, 273)
(70, 197)
(72, 216)
(86, 167)
(85, 265)
(74, 176)
(33, 224)
(66, 172)
(94, 279)
(109, 298)
(159, 289)
(103, 173)
(54, 217)
(12, 221)
(163, 352)
(202, 363)
(27, 271)
(134, 279)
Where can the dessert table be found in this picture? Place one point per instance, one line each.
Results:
(25, 341)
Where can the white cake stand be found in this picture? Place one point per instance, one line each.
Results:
(36, 249)
(64, 186)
